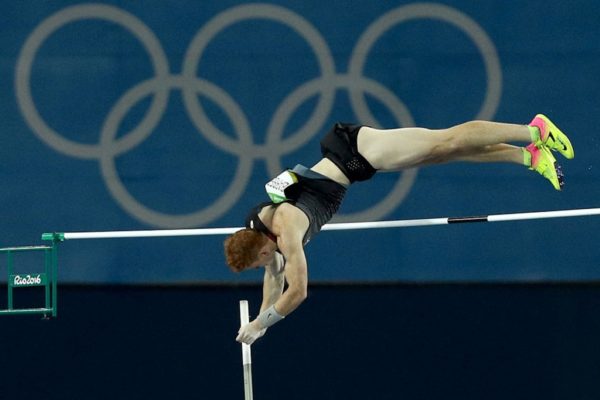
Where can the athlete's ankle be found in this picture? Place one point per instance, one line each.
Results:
(534, 132)
(526, 157)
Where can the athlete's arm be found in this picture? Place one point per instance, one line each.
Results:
(273, 282)
(290, 224)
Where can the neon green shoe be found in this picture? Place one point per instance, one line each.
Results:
(545, 164)
(552, 137)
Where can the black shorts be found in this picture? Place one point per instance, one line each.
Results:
(339, 145)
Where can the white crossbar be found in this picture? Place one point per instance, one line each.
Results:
(337, 226)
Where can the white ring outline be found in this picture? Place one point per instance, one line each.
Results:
(118, 190)
(35, 41)
(430, 11)
(239, 14)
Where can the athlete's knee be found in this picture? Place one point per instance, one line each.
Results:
(453, 142)
(460, 136)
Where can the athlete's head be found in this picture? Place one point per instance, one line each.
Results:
(245, 249)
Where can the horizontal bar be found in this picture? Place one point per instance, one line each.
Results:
(25, 248)
(149, 233)
(328, 227)
(384, 224)
(27, 311)
(544, 214)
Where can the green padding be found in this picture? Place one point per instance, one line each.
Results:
(53, 236)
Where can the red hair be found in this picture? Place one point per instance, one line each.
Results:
(242, 248)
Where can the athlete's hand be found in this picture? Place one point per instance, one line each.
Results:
(250, 332)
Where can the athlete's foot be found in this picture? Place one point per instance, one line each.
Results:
(551, 137)
(545, 164)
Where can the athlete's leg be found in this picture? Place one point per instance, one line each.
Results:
(494, 153)
(539, 160)
(395, 149)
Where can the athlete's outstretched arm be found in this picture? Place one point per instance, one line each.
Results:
(289, 225)
(273, 282)
(296, 275)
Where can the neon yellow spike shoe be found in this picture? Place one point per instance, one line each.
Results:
(542, 161)
(551, 137)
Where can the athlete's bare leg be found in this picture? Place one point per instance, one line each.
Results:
(494, 153)
(394, 149)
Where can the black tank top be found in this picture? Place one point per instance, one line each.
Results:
(316, 195)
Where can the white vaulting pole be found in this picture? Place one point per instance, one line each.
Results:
(246, 354)
(330, 227)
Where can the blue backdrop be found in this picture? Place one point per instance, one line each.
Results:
(128, 115)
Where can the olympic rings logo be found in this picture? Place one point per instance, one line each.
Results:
(159, 87)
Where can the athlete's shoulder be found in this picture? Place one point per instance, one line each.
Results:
(287, 210)
(288, 217)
